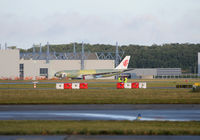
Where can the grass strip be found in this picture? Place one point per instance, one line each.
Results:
(12, 127)
(104, 96)
(96, 83)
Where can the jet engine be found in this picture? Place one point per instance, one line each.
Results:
(63, 75)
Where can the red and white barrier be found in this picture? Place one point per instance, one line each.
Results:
(127, 85)
(135, 85)
(71, 86)
(67, 85)
(120, 85)
(142, 85)
(59, 85)
(131, 85)
(75, 85)
(83, 85)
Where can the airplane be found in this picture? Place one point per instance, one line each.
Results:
(96, 73)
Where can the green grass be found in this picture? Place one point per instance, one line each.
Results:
(97, 83)
(26, 86)
(98, 128)
(30, 86)
(100, 96)
(106, 93)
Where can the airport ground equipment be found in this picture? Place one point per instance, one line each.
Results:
(196, 87)
(197, 84)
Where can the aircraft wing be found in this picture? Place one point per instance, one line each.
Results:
(128, 69)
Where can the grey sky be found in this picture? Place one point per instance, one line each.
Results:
(24, 22)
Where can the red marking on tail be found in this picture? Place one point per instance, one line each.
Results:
(125, 63)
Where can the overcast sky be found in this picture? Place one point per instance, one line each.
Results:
(143, 22)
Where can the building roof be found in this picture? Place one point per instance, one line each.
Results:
(57, 56)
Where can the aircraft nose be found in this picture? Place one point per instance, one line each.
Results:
(56, 75)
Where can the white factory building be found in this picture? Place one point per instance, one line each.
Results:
(13, 64)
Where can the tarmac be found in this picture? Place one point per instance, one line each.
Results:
(162, 112)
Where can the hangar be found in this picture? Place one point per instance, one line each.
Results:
(45, 64)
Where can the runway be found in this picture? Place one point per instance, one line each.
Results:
(101, 113)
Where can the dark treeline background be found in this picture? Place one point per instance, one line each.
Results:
(155, 56)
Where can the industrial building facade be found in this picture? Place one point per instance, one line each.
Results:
(33, 65)
(150, 73)
(12, 65)
(9, 63)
